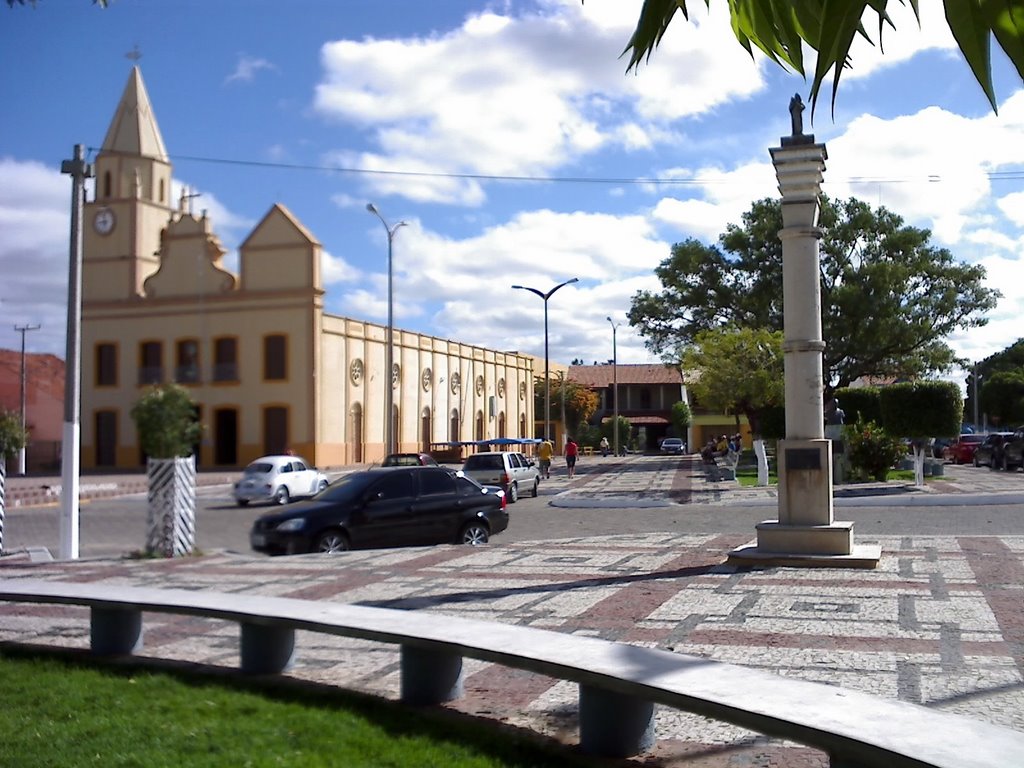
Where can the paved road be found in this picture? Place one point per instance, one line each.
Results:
(646, 494)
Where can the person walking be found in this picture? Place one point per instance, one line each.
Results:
(571, 452)
(544, 454)
(604, 446)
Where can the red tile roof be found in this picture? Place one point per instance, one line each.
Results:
(596, 376)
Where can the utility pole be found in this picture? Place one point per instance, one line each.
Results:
(23, 329)
(79, 170)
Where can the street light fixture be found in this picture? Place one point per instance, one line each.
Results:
(23, 329)
(615, 385)
(389, 364)
(547, 378)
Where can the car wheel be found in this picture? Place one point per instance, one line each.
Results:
(281, 496)
(242, 502)
(513, 493)
(331, 542)
(322, 486)
(536, 487)
(474, 534)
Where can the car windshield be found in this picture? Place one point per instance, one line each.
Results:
(485, 461)
(259, 468)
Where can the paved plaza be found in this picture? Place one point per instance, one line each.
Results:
(940, 622)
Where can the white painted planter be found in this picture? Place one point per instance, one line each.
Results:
(171, 512)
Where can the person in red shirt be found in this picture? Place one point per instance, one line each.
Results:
(571, 452)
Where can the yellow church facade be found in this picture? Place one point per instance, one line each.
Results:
(268, 368)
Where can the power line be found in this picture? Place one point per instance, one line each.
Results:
(681, 181)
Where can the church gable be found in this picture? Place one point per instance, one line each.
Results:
(190, 257)
(280, 254)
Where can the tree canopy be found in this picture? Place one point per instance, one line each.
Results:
(888, 297)
(736, 370)
(165, 420)
(12, 437)
(780, 28)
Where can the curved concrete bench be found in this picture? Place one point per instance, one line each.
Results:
(619, 684)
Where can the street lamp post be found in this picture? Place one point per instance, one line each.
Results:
(547, 378)
(23, 329)
(615, 386)
(389, 364)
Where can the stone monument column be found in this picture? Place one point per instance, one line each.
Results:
(805, 532)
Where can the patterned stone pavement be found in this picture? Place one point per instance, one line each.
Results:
(939, 622)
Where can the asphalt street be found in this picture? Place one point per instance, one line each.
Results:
(645, 494)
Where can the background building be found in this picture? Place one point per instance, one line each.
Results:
(44, 406)
(269, 369)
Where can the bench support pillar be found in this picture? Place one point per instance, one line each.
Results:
(429, 676)
(115, 631)
(613, 724)
(266, 650)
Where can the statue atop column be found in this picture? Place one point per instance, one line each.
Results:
(796, 114)
(796, 117)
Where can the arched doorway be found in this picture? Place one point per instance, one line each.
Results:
(425, 429)
(501, 424)
(522, 425)
(479, 431)
(396, 430)
(355, 432)
(453, 426)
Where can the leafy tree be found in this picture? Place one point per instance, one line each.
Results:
(1002, 397)
(780, 28)
(888, 297)
(607, 430)
(165, 420)
(737, 370)
(681, 416)
(1009, 360)
(12, 437)
(580, 402)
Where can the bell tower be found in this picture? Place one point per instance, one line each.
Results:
(123, 224)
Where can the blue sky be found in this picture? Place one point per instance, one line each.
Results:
(417, 106)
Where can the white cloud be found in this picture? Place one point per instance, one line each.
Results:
(247, 68)
(522, 94)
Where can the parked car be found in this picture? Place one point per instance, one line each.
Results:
(513, 472)
(1013, 450)
(961, 450)
(989, 453)
(672, 445)
(385, 507)
(409, 460)
(278, 479)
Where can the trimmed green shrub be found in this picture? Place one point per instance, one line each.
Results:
(922, 409)
(165, 419)
(860, 404)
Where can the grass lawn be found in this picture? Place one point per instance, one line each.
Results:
(69, 711)
(748, 475)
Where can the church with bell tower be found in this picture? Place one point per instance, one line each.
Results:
(269, 369)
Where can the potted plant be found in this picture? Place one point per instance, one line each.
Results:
(165, 421)
(12, 440)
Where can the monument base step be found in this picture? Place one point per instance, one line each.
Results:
(860, 556)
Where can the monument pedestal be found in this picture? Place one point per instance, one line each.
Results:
(806, 534)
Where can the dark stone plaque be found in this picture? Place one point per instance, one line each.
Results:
(803, 458)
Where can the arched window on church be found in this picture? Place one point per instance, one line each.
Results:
(161, 190)
(106, 184)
